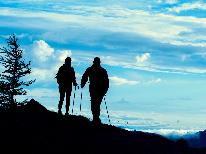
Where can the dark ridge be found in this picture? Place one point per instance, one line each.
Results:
(198, 140)
(32, 129)
(33, 107)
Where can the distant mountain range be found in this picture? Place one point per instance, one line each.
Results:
(32, 129)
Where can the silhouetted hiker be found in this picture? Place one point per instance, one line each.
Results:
(65, 78)
(99, 84)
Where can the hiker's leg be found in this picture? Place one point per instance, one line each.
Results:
(97, 113)
(68, 95)
(95, 107)
(62, 95)
(94, 104)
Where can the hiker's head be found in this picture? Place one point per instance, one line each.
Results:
(97, 61)
(68, 61)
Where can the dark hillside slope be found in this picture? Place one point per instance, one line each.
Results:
(35, 130)
(197, 140)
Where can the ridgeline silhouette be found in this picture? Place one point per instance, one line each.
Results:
(39, 131)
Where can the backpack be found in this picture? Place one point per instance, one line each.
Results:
(61, 74)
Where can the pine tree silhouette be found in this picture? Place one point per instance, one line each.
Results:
(11, 83)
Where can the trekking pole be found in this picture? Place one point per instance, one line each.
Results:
(107, 110)
(80, 107)
(73, 100)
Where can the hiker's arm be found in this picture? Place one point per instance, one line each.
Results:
(85, 78)
(106, 82)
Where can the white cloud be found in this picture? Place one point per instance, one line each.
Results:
(162, 27)
(122, 81)
(109, 61)
(143, 58)
(134, 120)
(173, 133)
(168, 1)
(63, 54)
(171, 1)
(131, 63)
(158, 80)
(154, 81)
(114, 60)
(184, 57)
(42, 92)
(41, 74)
(1, 68)
(41, 50)
(165, 28)
(188, 6)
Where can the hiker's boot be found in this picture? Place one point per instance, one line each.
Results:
(67, 109)
(96, 120)
(66, 114)
(59, 112)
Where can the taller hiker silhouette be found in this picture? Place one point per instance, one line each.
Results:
(65, 78)
(99, 84)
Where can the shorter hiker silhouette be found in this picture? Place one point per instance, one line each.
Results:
(99, 84)
(65, 78)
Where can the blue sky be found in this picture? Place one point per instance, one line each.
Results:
(154, 51)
